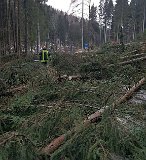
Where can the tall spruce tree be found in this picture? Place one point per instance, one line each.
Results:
(133, 8)
(61, 28)
(121, 18)
(93, 25)
(101, 14)
(107, 17)
(138, 18)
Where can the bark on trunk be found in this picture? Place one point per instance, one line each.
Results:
(129, 61)
(143, 19)
(56, 143)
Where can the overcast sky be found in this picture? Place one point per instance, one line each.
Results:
(64, 4)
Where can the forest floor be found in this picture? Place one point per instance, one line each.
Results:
(39, 103)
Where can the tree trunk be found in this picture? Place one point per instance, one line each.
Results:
(144, 19)
(133, 35)
(38, 38)
(105, 32)
(26, 30)
(8, 27)
(100, 35)
(19, 28)
(56, 143)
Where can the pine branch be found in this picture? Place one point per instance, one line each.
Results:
(56, 143)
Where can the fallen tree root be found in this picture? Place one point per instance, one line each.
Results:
(56, 143)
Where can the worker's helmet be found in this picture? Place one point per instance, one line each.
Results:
(44, 48)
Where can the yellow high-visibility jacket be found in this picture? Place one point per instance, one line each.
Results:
(44, 56)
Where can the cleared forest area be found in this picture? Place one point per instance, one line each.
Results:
(88, 101)
(37, 107)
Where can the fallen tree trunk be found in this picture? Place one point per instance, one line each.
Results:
(133, 60)
(130, 92)
(129, 61)
(56, 143)
(12, 91)
(133, 56)
(79, 77)
(18, 89)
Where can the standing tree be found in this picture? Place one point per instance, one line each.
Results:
(138, 17)
(121, 18)
(94, 26)
(61, 28)
(133, 7)
(101, 17)
(107, 17)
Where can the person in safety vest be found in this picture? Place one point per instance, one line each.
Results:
(44, 55)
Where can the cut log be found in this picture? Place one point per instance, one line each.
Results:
(130, 92)
(56, 143)
(62, 78)
(73, 78)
